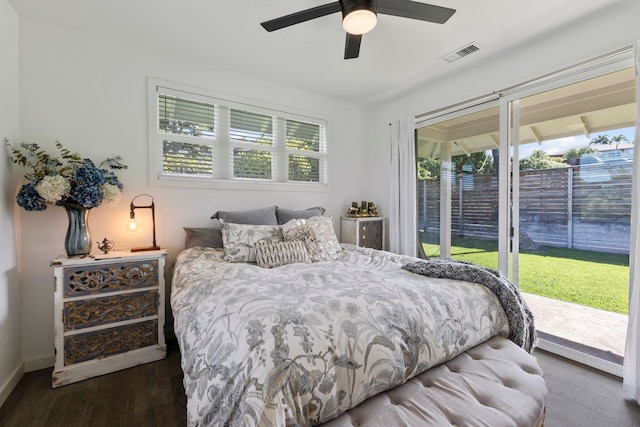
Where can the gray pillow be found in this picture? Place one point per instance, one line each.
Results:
(207, 237)
(264, 216)
(286, 215)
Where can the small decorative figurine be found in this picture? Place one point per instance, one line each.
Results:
(366, 209)
(106, 245)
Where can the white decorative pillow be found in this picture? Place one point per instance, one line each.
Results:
(239, 239)
(317, 234)
(271, 254)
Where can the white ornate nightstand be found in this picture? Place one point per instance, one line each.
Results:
(108, 313)
(366, 232)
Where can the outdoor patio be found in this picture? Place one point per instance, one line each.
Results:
(597, 332)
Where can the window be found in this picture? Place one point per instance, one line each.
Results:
(216, 142)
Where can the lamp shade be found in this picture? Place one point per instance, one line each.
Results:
(359, 21)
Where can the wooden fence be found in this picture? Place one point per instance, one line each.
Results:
(586, 207)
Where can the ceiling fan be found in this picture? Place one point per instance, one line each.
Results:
(360, 16)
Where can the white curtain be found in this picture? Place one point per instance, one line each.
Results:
(631, 384)
(402, 215)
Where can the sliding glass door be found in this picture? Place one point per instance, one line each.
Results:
(575, 149)
(537, 183)
(458, 186)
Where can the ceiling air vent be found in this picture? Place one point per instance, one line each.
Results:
(467, 50)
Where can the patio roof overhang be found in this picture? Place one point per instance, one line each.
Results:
(597, 105)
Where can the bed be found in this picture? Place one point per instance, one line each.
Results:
(352, 340)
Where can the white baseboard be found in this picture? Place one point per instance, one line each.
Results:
(11, 382)
(38, 363)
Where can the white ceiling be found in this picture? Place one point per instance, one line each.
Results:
(397, 56)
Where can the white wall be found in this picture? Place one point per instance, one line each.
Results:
(91, 94)
(11, 367)
(594, 36)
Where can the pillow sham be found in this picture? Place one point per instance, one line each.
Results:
(317, 234)
(271, 254)
(286, 215)
(264, 216)
(239, 239)
(207, 237)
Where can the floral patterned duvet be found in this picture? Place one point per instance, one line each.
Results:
(300, 344)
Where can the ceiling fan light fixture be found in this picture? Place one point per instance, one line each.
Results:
(359, 21)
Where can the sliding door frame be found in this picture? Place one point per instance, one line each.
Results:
(508, 209)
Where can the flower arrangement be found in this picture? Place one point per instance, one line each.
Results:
(69, 180)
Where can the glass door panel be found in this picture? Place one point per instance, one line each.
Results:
(575, 154)
(458, 187)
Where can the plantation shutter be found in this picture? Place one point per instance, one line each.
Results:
(201, 137)
(179, 117)
(304, 141)
(303, 136)
(255, 131)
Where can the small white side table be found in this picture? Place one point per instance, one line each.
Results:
(366, 232)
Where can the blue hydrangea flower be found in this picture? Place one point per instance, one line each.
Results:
(88, 175)
(87, 195)
(29, 199)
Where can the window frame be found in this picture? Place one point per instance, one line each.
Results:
(223, 144)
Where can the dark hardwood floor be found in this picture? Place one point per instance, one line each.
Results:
(153, 395)
(147, 395)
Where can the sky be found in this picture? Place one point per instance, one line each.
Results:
(558, 146)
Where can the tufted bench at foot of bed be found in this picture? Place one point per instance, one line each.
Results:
(494, 384)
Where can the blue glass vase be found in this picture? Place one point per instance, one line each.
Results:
(77, 242)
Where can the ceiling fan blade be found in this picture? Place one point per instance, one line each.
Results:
(414, 10)
(302, 16)
(352, 46)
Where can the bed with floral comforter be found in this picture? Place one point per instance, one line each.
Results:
(302, 343)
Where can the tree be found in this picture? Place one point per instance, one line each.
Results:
(538, 159)
(607, 140)
(600, 140)
(477, 163)
(428, 168)
(618, 139)
(576, 153)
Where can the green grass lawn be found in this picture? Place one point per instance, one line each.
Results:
(593, 279)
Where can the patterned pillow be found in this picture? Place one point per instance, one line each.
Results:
(317, 234)
(239, 239)
(271, 254)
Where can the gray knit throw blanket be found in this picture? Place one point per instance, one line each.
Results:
(522, 331)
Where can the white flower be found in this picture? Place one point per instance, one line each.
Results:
(110, 193)
(53, 187)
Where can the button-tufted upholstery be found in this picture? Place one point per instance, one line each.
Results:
(494, 384)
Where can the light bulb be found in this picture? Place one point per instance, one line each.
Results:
(132, 225)
(359, 21)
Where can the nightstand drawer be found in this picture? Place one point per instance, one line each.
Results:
(108, 342)
(366, 232)
(90, 280)
(86, 313)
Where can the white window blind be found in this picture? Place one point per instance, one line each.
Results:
(203, 137)
(304, 143)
